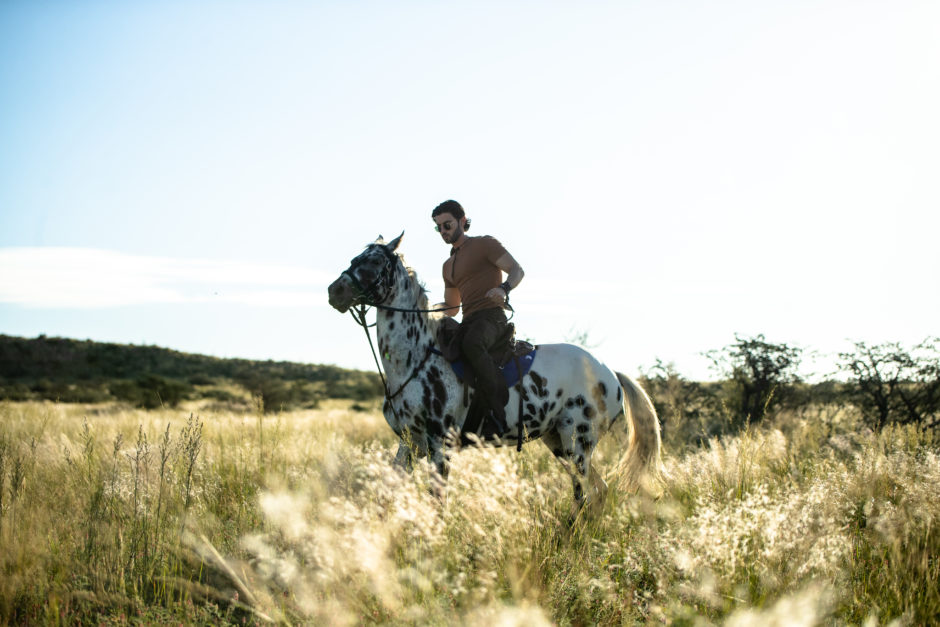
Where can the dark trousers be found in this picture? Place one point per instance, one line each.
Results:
(479, 331)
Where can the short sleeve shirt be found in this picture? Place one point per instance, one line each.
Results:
(473, 271)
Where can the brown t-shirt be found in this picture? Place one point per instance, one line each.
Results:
(473, 271)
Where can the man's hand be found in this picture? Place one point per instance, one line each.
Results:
(498, 294)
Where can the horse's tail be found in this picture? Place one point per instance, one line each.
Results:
(641, 466)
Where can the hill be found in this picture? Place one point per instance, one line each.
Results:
(69, 370)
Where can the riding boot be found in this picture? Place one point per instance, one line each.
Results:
(492, 394)
(483, 420)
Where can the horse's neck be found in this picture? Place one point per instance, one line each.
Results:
(404, 337)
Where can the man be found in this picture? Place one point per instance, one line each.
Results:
(473, 282)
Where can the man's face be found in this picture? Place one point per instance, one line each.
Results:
(449, 227)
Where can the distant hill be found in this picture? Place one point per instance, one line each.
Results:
(70, 370)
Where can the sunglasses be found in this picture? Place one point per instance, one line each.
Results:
(447, 226)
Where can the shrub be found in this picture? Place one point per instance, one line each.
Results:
(892, 384)
(759, 376)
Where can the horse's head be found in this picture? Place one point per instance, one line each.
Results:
(370, 277)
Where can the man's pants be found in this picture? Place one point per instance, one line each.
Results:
(479, 331)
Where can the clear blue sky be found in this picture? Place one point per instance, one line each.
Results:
(193, 174)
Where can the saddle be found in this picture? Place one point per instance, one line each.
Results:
(513, 357)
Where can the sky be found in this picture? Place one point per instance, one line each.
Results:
(669, 174)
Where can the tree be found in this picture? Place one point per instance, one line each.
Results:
(894, 384)
(759, 376)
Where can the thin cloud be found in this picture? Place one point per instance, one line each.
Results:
(85, 278)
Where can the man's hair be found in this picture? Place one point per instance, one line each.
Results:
(453, 208)
(449, 206)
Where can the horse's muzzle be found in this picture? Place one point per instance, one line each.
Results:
(341, 294)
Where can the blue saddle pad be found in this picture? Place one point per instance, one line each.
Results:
(509, 371)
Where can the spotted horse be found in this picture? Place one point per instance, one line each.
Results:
(569, 399)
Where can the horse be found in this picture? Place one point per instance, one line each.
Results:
(569, 398)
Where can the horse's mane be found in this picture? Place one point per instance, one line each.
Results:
(420, 295)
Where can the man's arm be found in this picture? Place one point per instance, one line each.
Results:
(451, 301)
(514, 274)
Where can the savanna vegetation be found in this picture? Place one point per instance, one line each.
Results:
(74, 371)
(782, 502)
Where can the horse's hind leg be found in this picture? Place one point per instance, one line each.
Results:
(578, 465)
(600, 487)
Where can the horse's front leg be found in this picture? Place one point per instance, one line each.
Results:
(440, 466)
(404, 458)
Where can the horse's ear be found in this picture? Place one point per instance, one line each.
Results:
(380, 240)
(393, 245)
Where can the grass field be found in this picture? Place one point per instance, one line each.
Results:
(110, 515)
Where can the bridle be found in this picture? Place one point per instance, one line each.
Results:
(370, 293)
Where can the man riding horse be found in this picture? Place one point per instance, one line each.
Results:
(567, 400)
(473, 282)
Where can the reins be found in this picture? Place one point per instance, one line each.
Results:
(442, 309)
(360, 317)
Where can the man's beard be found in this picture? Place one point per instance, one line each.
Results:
(455, 235)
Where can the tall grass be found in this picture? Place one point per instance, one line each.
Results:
(116, 515)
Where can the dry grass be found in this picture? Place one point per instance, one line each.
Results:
(112, 515)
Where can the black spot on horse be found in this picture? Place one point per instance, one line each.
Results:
(603, 388)
(556, 452)
(589, 412)
(619, 394)
(440, 391)
(583, 428)
(539, 388)
(558, 394)
(579, 400)
(539, 379)
(391, 325)
(534, 433)
(530, 409)
(425, 394)
(435, 429)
